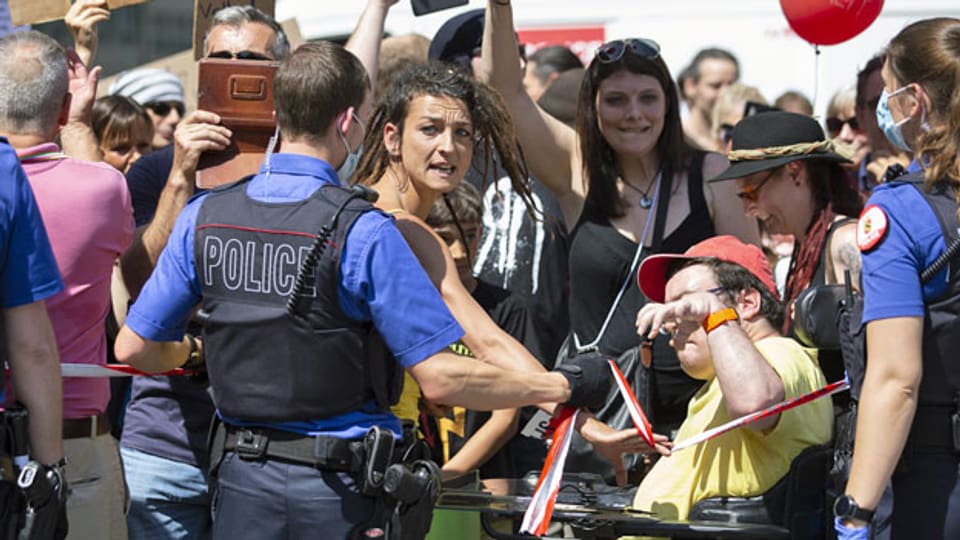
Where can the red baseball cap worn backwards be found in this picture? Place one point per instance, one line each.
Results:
(652, 275)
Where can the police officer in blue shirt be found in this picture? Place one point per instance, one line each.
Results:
(908, 430)
(302, 284)
(28, 275)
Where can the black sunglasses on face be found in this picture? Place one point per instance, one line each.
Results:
(241, 55)
(726, 133)
(835, 125)
(163, 108)
(612, 51)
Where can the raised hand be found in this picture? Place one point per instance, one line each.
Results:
(83, 88)
(82, 20)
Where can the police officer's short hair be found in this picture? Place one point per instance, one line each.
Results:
(33, 82)
(316, 83)
(237, 16)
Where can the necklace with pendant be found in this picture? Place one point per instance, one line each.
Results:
(645, 201)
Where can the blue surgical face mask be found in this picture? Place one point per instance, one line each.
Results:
(885, 121)
(892, 129)
(349, 165)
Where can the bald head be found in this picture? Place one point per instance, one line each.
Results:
(33, 83)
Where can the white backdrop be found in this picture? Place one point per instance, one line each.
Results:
(772, 57)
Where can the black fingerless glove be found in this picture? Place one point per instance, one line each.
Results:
(589, 378)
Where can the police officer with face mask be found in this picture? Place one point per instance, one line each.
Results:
(313, 305)
(908, 430)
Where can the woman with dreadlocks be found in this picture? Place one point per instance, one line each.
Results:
(419, 146)
(790, 178)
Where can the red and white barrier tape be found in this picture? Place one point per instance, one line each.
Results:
(633, 406)
(536, 519)
(785, 405)
(112, 370)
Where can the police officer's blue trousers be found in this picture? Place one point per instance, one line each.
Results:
(926, 496)
(278, 500)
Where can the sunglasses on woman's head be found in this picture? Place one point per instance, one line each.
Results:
(612, 51)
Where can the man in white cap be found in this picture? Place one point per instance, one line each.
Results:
(160, 93)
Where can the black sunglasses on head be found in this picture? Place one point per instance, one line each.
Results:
(241, 55)
(612, 51)
(163, 108)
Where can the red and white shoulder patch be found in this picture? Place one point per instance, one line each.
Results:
(871, 228)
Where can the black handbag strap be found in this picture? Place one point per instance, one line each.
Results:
(659, 224)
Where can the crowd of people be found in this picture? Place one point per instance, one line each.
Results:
(446, 240)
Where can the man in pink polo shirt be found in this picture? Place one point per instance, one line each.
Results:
(89, 219)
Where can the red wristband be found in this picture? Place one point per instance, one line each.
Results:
(717, 318)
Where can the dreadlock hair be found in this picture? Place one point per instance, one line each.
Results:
(493, 125)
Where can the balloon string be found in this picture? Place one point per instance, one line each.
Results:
(816, 75)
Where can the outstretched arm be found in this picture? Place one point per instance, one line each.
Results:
(487, 341)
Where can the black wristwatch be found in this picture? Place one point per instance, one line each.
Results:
(847, 508)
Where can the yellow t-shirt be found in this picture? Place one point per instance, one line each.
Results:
(742, 462)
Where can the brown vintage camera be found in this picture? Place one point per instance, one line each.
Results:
(241, 92)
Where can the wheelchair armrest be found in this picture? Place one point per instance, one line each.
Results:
(798, 501)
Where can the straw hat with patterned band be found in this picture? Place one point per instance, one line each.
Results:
(768, 140)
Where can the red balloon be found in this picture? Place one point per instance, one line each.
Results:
(828, 22)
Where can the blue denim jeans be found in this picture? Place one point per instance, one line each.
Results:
(168, 498)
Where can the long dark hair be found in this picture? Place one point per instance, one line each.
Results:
(830, 184)
(928, 52)
(493, 125)
(599, 161)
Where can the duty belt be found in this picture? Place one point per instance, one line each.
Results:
(322, 452)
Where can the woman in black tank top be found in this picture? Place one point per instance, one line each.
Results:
(626, 158)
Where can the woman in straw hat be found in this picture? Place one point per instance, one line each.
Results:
(790, 178)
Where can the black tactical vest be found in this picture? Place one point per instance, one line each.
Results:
(266, 365)
(941, 327)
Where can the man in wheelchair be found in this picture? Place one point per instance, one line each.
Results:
(717, 301)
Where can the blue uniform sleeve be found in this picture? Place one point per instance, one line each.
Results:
(383, 282)
(173, 290)
(30, 271)
(891, 270)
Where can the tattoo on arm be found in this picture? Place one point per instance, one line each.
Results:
(848, 255)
